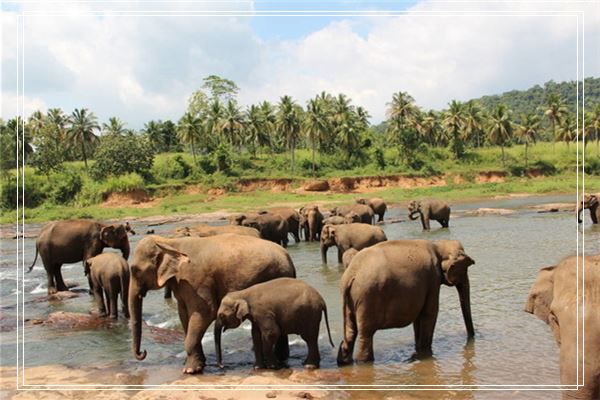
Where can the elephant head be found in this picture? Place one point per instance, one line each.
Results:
(115, 236)
(590, 201)
(328, 239)
(351, 217)
(154, 263)
(236, 219)
(454, 263)
(362, 201)
(541, 295)
(414, 209)
(232, 312)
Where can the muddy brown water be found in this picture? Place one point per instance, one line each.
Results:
(511, 347)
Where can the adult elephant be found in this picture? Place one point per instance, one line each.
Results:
(270, 226)
(349, 236)
(377, 205)
(590, 201)
(364, 212)
(312, 222)
(553, 299)
(204, 230)
(396, 283)
(71, 241)
(201, 271)
(291, 216)
(428, 210)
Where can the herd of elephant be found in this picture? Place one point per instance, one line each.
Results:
(242, 271)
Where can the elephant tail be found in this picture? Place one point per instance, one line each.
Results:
(327, 325)
(34, 260)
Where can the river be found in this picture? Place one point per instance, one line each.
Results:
(511, 347)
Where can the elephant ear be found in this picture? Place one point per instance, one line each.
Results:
(454, 262)
(541, 294)
(108, 235)
(593, 200)
(242, 310)
(169, 261)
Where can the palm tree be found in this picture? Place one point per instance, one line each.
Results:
(555, 111)
(37, 122)
(567, 131)
(454, 121)
(257, 132)
(115, 127)
(213, 118)
(21, 132)
(153, 132)
(59, 120)
(288, 123)
(429, 128)
(315, 125)
(401, 114)
(81, 130)
(189, 130)
(528, 131)
(232, 123)
(473, 120)
(595, 126)
(500, 127)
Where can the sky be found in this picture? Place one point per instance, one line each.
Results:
(141, 61)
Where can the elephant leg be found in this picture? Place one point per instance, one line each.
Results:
(380, 219)
(270, 333)
(197, 326)
(595, 214)
(99, 297)
(296, 236)
(183, 315)
(51, 284)
(259, 361)
(340, 254)
(365, 347)
(113, 297)
(282, 348)
(168, 292)
(424, 327)
(60, 284)
(314, 358)
(346, 348)
(425, 222)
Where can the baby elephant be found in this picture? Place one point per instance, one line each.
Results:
(276, 308)
(109, 274)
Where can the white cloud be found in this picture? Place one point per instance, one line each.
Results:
(142, 68)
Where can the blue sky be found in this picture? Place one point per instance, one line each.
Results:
(143, 68)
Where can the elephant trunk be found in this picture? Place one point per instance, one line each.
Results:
(124, 247)
(580, 208)
(217, 334)
(135, 310)
(464, 294)
(324, 253)
(413, 215)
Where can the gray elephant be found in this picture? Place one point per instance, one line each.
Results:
(109, 273)
(350, 218)
(348, 256)
(396, 283)
(71, 241)
(553, 299)
(349, 236)
(203, 230)
(278, 307)
(428, 210)
(590, 201)
(364, 212)
(271, 227)
(312, 222)
(201, 271)
(291, 216)
(377, 205)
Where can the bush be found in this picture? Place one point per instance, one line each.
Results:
(378, 158)
(94, 192)
(516, 170)
(34, 193)
(172, 168)
(222, 158)
(207, 164)
(64, 187)
(119, 155)
(549, 169)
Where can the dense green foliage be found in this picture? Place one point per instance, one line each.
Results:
(119, 155)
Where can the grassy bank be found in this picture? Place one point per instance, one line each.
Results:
(182, 203)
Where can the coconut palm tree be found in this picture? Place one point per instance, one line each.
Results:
(190, 130)
(232, 124)
(153, 132)
(213, 121)
(567, 131)
(315, 125)
(430, 128)
(37, 122)
(81, 130)
(595, 126)
(256, 132)
(500, 128)
(59, 120)
(555, 111)
(401, 113)
(473, 124)
(269, 121)
(454, 121)
(114, 127)
(528, 131)
(288, 124)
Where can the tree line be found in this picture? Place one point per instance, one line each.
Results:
(216, 125)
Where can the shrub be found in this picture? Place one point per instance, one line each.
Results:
(172, 168)
(206, 164)
(222, 158)
(34, 192)
(64, 187)
(549, 169)
(516, 170)
(118, 155)
(378, 158)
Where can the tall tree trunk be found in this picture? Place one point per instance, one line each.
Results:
(503, 163)
(84, 155)
(553, 137)
(193, 151)
(526, 163)
(313, 157)
(597, 144)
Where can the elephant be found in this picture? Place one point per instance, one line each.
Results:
(203, 230)
(396, 283)
(428, 210)
(271, 227)
(590, 201)
(71, 241)
(348, 256)
(377, 205)
(364, 212)
(237, 219)
(291, 216)
(351, 217)
(277, 307)
(201, 271)
(349, 236)
(312, 222)
(553, 299)
(109, 273)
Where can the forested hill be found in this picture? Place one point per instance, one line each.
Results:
(534, 98)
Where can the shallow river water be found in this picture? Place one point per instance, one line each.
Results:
(511, 347)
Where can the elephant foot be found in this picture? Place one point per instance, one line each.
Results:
(193, 366)
(311, 366)
(259, 366)
(344, 355)
(52, 291)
